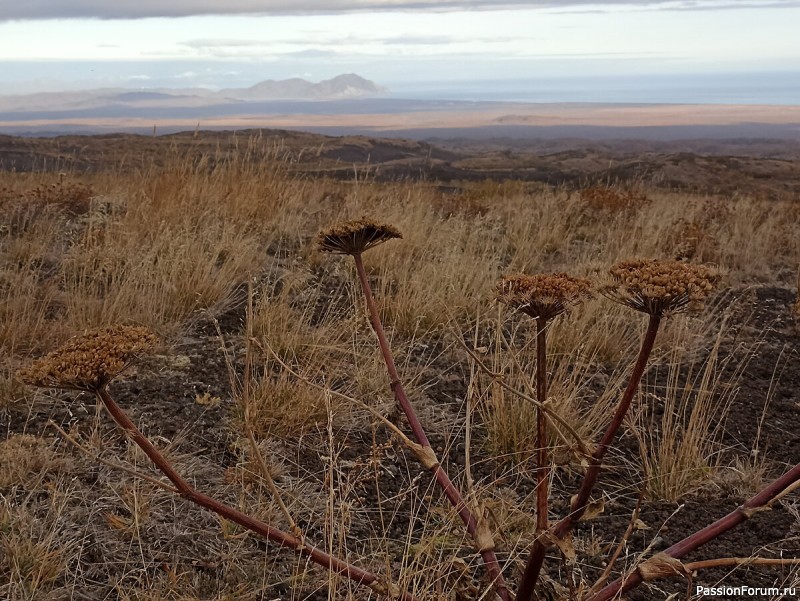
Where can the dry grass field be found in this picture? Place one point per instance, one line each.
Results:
(264, 339)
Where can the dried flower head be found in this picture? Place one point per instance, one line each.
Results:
(659, 287)
(89, 361)
(354, 237)
(543, 295)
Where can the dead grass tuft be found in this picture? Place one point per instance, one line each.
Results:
(26, 459)
(692, 241)
(612, 200)
(11, 390)
(28, 566)
(681, 420)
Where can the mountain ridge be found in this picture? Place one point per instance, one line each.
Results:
(347, 85)
(341, 87)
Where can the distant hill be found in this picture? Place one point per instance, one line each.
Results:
(340, 87)
(705, 167)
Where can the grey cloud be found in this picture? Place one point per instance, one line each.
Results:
(223, 43)
(741, 5)
(609, 6)
(128, 9)
(418, 40)
(254, 49)
(213, 45)
(441, 40)
(312, 53)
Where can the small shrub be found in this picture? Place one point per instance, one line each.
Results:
(692, 240)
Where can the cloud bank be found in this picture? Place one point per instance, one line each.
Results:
(139, 9)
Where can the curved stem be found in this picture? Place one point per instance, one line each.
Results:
(478, 532)
(274, 534)
(578, 507)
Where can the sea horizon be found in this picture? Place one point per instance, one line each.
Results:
(778, 88)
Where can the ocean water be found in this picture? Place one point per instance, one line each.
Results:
(780, 88)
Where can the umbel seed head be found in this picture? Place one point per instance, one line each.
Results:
(659, 287)
(89, 361)
(544, 295)
(354, 237)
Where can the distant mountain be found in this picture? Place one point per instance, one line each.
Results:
(341, 86)
(348, 86)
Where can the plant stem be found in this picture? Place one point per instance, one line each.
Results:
(595, 464)
(442, 479)
(556, 421)
(565, 526)
(542, 459)
(729, 562)
(111, 464)
(710, 532)
(274, 534)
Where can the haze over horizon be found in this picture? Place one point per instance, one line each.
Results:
(727, 51)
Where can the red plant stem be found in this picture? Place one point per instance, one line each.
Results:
(543, 459)
(710, 532)
(565, 526)
(383, 342)
(274, 534)
(442, 479)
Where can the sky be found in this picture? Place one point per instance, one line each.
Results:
(78, 44)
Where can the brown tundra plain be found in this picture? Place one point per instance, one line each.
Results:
(225, 376)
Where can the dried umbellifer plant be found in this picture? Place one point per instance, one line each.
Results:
(354, 238)
(91, 361)
(659, 289)
(542, 297)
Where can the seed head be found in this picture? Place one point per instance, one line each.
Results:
(354, 237)
(89, 361)
(544, 295)
(659, 287)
